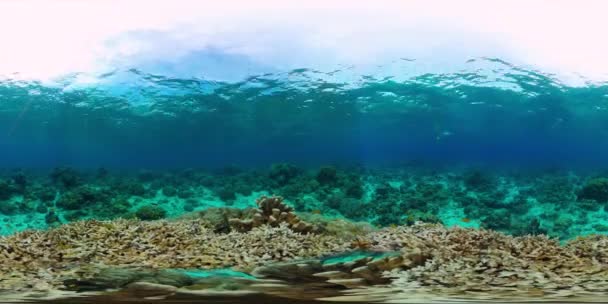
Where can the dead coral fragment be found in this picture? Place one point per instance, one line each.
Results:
(272, 211)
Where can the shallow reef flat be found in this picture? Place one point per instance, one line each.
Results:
(274, 253)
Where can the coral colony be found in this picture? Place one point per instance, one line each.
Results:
(413, 234)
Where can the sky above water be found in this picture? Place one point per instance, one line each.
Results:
(230, 39)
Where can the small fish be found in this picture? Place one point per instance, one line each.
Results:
(465, 220)
(443, 134)
(316, 211)
(393, 225)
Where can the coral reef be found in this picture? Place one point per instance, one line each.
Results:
(559, 203)
(150, 213)
(66, 177)
(420, 259)
(282, 174)
(219, 218)
(130, 187)
(461, 261)
(127, 243)
(596, 189)
(272, 211)
(478, 180)
(82, 197)
(7, 190)
(350, 270)
(327, 176)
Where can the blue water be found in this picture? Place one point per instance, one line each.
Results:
(493, 113)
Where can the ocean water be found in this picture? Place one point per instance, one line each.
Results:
(489, 112)
(487, 183)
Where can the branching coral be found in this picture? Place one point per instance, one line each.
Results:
(26, 256)
(425, 257)
(463, 260)
(272, 211)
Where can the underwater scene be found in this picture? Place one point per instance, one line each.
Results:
(397, 183)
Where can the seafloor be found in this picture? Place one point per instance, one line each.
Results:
(286, 234)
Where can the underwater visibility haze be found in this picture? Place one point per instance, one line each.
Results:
(210, 174)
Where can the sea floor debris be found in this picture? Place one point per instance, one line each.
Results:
(157, 260)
